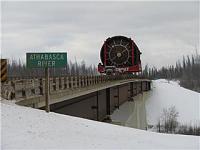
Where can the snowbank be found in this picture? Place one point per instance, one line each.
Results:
(23, 128)
(165, 94)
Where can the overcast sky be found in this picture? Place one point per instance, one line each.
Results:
(163, 31)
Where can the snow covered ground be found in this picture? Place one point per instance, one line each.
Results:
(28, 128)
(165, 94)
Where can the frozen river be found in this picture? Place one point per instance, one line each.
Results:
(164, 94)
(132, 113)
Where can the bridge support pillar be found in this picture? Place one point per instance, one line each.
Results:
(108, 101)
(131, 90)
(134, 88)
(149, 86)
(118, 96)
(97, 95)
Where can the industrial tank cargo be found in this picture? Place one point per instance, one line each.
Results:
(119, 54)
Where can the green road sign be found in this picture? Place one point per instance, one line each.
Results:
(46, 60)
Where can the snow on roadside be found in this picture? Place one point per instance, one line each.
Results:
(165, 94)
(27, 128)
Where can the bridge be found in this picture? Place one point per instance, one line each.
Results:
(91, 97)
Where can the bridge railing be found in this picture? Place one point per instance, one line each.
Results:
(24, 88)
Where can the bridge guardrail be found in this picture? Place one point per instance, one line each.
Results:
(24, 88)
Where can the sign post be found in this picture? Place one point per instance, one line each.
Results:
(46, 60)
(47, 89)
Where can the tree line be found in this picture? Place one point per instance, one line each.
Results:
(186, 71)
(18, 69)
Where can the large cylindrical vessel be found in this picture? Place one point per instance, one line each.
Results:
(121, 53)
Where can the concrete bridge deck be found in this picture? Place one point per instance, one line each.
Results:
(93, 97)
(62, 95)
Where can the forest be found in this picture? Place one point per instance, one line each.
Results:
(187, 72)
(18, 69)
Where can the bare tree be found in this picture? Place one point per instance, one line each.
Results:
(169, 119)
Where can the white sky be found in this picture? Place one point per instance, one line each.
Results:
(163, 31)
